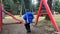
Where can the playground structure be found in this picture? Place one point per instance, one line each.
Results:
(49, 13)
(39, 10)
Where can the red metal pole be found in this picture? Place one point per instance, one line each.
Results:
(12, 16)
(51, 16)
(0, 17)
(39, 10)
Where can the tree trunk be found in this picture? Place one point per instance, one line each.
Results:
(50, 5)
(27, 4)
(21, 10)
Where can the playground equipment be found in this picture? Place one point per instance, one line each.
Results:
(0, 17)
(2, 10)
(39, 11)
(49, 14)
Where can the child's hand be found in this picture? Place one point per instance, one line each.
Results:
(22, 22)
(34, 23)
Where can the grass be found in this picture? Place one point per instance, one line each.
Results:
(45, 24)
(57, 18)
(41, 19)
(17, 16)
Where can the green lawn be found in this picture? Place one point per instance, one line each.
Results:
(41, 19)
(57, 18)
(45, 24)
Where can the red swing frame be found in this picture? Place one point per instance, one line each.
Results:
(39, 10)
(2, 10)
(0, 17)
(49, 14)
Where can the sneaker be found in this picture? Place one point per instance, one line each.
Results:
(28, 31)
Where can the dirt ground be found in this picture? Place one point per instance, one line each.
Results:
(20, 29)
(43, 27)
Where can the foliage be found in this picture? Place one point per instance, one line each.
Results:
(57, 6)
(11, 6)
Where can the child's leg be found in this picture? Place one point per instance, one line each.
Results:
(27, 26)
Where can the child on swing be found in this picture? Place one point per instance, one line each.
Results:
(28, 17)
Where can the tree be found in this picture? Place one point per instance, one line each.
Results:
(27, 4)
(8, 5)
(12, 6)
(57, 6)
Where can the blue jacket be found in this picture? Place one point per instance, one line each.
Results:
(28, 17)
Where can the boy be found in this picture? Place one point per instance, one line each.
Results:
(28, 17)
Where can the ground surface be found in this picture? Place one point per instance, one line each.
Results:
(43, 27)
(11, 27)
(19, 29)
